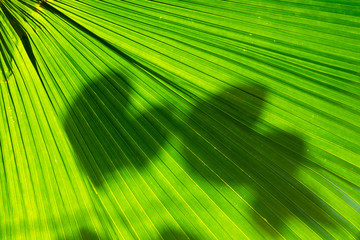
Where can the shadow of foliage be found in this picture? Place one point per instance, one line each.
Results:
(107, 132)
(85, 234)
(223, 147)
(220, 145)
(175, 234)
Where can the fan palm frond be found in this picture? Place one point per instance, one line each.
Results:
(167, 119)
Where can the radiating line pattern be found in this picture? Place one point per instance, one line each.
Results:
(169, 119)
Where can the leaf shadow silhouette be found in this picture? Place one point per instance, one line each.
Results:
(219, 146)
(223, 147)
(85, 234)
(107, 131)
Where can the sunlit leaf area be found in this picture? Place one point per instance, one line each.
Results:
(180, 119)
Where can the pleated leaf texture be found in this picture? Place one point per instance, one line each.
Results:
(180, 119)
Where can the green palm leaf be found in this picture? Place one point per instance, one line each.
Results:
(186, 119)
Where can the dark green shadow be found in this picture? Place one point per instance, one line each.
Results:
(176, 234)
(108, 133)
(219, 146)
(224, 148)
(85, 234)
